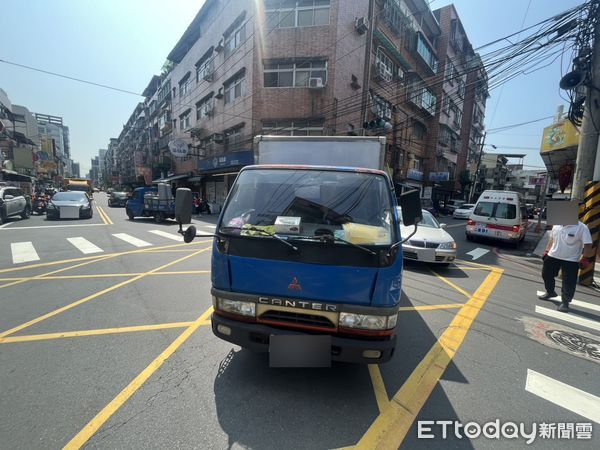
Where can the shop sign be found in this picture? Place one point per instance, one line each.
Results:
(243, 158)
(414, 174)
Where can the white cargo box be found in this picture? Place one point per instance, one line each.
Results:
(366, 152)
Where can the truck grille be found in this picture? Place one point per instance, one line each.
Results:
(298, 319)
(423, 244)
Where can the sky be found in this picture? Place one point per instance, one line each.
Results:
(123, 43)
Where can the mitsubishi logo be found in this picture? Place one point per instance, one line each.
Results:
(295, 285)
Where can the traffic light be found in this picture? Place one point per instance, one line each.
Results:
(374, 124)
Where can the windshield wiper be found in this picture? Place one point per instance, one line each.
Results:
(329, 237)
(265, 232)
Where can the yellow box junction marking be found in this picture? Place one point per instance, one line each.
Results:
(392, 425)
(379, 387)
(87, 258)
(96, 332)
(100, 419)
(451, 284)
(98, 294)
(431, 307)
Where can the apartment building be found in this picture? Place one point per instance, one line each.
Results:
(310, 67)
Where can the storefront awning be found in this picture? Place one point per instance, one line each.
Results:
(169, 179)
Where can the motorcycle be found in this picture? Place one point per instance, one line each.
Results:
(39, 205)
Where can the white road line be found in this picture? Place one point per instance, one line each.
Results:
(568, 317)
(585, 305)
(132, 240)
(175, 237)
(84, 246)
(23, 252)
(478, 252)
(5, 225)
(43, 227)
(563, 395)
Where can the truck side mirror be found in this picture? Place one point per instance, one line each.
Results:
(183, 206)
(410, 202)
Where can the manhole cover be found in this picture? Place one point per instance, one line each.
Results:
(575, 343)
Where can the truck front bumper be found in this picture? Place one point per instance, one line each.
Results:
(255, 337)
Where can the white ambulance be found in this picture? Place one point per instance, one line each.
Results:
(500, 215)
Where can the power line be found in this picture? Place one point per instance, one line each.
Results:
(70, 78)
(506, 127)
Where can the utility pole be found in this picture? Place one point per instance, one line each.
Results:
(472, 190)
(588, 144)
(367, 67)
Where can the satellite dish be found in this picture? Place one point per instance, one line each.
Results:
(178, 147)
(572, 80)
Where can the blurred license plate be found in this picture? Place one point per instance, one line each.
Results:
(481, 228)
(69, 212)
(299, 351)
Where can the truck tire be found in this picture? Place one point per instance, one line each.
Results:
(130, 215)
(26, 213)
(159, 217)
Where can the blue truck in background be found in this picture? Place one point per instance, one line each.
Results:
(157, 202)
(307, 254)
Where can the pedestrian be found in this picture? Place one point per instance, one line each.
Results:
(564, 252)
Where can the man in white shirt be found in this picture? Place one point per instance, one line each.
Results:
(564, 251)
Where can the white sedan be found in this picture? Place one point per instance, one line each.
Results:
(431, 243)
(464, 211)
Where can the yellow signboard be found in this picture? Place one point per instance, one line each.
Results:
(558, 136)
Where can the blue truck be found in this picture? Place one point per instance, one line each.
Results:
(157, 202)
(307, 254)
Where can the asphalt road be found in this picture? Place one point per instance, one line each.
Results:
(105, 342)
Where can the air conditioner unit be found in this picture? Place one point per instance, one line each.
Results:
(219, 93)
(220, 45)
(381, 72)
(361, 25)
(316, 83)
(218, 138)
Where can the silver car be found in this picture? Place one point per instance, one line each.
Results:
(431, 243)
(464, 211)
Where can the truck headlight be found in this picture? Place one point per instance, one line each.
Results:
(237, 307)
(367, 321)
(447, 245)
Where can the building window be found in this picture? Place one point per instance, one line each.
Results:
(184, 85)
(426, 53)
(461, 88)
(300, 127)
(383, 60)
(234, 88)
(204, 67)
(446, 105)
(444, 136)
(164, 119)
(383, 108)
(208, 145)
(234, 38)
(204, 107)
(234, 138)
(185, 120)
(293, 74)
(418, 130)
(457, 116)
(450, 72)
(296, 13)
(422, 97)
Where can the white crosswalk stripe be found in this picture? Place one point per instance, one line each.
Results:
(84, 246)
(132, 240)
(175, 237)
(563, 395)
(579, 303)
(568, 317)
(23, 252)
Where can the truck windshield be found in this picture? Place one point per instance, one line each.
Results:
(297, 203)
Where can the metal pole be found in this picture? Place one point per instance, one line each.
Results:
(588, 144)
(367, 66)
(472, 190)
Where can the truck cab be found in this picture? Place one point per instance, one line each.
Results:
(135, 205)
(307, 259)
